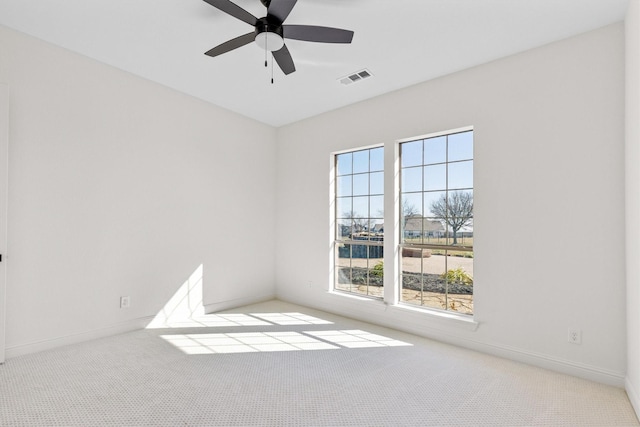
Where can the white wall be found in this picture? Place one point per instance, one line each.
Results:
(632, 157)
(549, 201)
(119, 186)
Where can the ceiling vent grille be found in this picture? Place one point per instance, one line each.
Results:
(355, 77)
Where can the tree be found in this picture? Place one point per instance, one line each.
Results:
(457, 211)
(358, 223)
(409, 210)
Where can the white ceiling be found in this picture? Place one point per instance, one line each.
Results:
(402, 42)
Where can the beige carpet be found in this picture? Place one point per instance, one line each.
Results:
(277, 364)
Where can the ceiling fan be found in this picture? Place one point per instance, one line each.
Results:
(270, 31)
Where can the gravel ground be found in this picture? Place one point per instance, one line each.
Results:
(434, 264)
(433, 293)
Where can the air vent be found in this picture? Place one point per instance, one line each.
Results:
(355, 77)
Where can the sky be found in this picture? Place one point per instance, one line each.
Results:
(425, 174)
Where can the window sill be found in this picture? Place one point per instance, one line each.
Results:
(443, 317)
(436, 317)
(356, 296)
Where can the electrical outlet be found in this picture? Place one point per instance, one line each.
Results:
(575, 336)
(125, 302)
(309, 283)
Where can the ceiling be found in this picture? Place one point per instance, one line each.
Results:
(401, 42)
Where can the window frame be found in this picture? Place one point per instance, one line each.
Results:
(336, 218)
(392, 242)
(399, 215)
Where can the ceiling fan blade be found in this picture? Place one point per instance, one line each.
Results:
(284, 60)
(312, 33)
(234, 10)
(232, 44)
(280, 9)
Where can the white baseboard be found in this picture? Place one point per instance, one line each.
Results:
(119, 328)
(580, 370)
(592, 373)
(633, 395)
(235, 303)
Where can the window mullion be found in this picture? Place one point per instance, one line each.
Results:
(392, 224)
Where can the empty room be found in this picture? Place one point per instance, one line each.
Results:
(320, 213)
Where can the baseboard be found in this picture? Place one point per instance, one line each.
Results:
(119, 328)
(633, 395)
(235, 303)
(544, 361)
(563, 366)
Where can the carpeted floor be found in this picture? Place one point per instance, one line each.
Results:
(277, 364)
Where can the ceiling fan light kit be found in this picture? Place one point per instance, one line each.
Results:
(270, 31)
(268, 36)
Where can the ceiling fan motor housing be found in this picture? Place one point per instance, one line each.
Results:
(269, 34)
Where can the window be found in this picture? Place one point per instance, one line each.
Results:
(432, 226)
(436, 220)
(359, 213)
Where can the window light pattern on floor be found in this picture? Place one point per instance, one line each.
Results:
(291, 319)
(245, 342)
(212, 321)
(238, 319)
(356, 339)
(249, 342)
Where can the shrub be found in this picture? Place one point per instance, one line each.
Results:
(377, 270)
(458, 275)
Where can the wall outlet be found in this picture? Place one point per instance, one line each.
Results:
(125, 302)
(575, 336)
